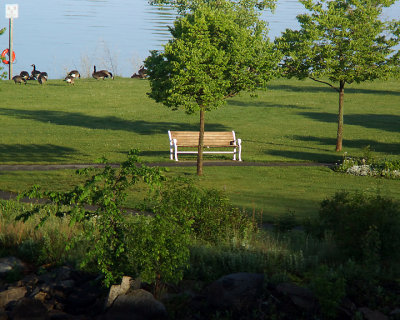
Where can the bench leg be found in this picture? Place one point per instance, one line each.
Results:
(240, 149)
(171, 152)
(175, 150)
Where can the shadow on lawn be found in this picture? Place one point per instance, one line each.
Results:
(305, 156)
(263, 104)
(77, 119)
(376, 146)
(327, 89)
(387, 122)
(34, 153)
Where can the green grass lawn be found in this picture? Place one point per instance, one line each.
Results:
(292, 121)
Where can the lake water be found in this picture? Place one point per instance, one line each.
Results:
(61, 35)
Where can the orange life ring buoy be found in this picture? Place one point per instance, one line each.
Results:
(3, 56)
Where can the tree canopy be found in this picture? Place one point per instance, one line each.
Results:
(341, 42)
(2, 74)
(190, 5)
(215, 53)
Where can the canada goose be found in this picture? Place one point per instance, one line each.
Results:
(69, 79)
(44, 75)
(74, 74)
(102, 74)
(142, 72)
(135, 75)
(24, 74)
(42, 78)
(35, 73)
(19, 79)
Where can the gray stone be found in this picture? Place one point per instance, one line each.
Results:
(29, 309)
(237, 291)
(137, 304)
(372, 314)
(301, 297)
(117, 290)
(8, 264)
(11, 294)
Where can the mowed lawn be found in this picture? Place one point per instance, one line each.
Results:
(292, 121)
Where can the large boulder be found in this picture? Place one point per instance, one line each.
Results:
(29, 309)
(11, 294)
(238, 291)
(136, 305)
(300, 296)
(10, 264)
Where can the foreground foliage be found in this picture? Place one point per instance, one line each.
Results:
(97, 204)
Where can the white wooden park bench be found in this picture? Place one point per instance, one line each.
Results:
(212, 139)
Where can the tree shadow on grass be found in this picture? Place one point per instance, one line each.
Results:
(35, 153)
(382, 147)
(386, 122)
(263, 104)
(327, 89)
(304, 156)
(77, 119)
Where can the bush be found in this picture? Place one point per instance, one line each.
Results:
(367, 165)
(364, 227)
(215, 220)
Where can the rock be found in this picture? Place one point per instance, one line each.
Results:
(239, 291)
(81, 297)
(29, 309)
(372, 314)
(11, 294)
(8, 264)
(117, 290)
(301, 297)
(136, 304)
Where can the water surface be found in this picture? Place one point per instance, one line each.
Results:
(61, 35)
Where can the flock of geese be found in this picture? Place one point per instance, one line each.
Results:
(42, 77)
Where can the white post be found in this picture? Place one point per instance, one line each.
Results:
(10, 47)
(11, 13)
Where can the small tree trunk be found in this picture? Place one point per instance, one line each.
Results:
(339, 140)
(201, 144)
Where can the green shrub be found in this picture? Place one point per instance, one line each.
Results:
(97, 203)
(364, 227)
(215, 220)
(330, 288)
(367, 165)
(157, 248)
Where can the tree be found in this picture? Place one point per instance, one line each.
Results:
(341, 42)
(2, 74)
(187, 5)
(215, 52)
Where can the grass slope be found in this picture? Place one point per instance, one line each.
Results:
(291, 121)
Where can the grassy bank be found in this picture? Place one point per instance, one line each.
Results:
(269, 192)
(291, 121)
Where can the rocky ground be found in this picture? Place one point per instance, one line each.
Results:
(63, 293)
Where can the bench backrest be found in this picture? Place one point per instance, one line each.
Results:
(211, 138)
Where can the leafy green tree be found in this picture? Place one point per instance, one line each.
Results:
(185, 5)
(341, 42)
(216, 51)
(98, 202)
(2, 74)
